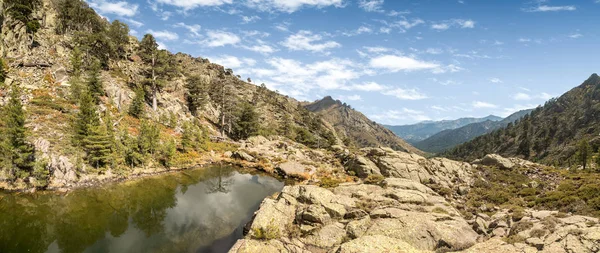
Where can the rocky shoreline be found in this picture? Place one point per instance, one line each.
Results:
(400, 215)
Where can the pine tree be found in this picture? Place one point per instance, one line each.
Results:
(86, 118)
(197, 92)
(118, 32)
(76, 61)
(2, 71)
(160, 63)
(148, 138)
(583, 153)
(95, 84)
(222, 95)
(17, 153)
(98, 145)
(246, 124)
(136, 109)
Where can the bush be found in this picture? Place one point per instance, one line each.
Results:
(328, 182)
(268, 233)
(374, 179)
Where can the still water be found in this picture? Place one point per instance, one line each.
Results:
(200, 210)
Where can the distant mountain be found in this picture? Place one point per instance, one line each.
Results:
(550, 134)
(423, 130)
(448, 139)
(354, 125)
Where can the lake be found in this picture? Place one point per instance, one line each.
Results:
(201, 210)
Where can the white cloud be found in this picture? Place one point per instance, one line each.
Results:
(495, 80)
(164, 35)
(229, 61)
(249, 19)
(368, 86)
(121, 8)
(546, 8)
(358, 31)
(162, 45)
(480, 104)
(354, 97)
(261, 48)
(289, 6)
(518, 107)
(194, 29)
(445, 25)
(165, 15)
(191, 4)
(575, 35)
(133, 22)
(385, 30)
(438, 108)
(396, 63)
(405, 94)
(441, 26)
(218, 38)
(284, 27)
(371, 5)
(434, 51)
(306, 40)
(404, 115)
(546, 96)
(521, 96)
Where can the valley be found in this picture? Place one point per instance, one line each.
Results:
(110, 142)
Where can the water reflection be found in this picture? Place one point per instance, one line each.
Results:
(192, 211)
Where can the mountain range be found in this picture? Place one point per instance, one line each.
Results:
(418, 132)
(449, 138)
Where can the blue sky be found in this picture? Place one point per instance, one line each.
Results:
(397, 61)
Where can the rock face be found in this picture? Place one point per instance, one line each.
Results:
(403, 216)
(390, 163)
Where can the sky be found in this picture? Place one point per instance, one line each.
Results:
(396, 61)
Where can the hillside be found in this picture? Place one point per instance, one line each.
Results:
(563, 132)
(86, 100)
(448, 139)
(421, 131)
(354, 126)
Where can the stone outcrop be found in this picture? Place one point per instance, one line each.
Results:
(390, 163)
(502, 162)
(402, 216)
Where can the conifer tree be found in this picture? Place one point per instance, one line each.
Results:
(98, 145)
(583, 153)
(222, 95)
(94, 83)
(2, 71)
(86, 118)
(160, 66)
(246, 124)
(118, 32)
(76, 61)
(148, 138)
(196, 94)
(17, 153)
(136, 109)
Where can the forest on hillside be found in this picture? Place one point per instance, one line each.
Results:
(563, 132)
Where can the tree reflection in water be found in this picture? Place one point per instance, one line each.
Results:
(174, 212)
(216, 183)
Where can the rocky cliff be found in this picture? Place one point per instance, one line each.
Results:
(353, 125)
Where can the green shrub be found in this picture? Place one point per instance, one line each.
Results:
(328, 182)
(374, 179)
(268, 233)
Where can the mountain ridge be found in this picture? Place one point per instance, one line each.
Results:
(555, 133)
(449, 138)
(355, 126)
(420, 131)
